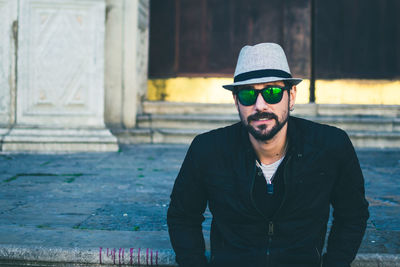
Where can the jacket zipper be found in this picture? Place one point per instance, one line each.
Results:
(270, 222)
(319, 254)
(285, 182)
(255, 206)
(270, 234)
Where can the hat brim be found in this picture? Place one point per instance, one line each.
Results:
(231, 87)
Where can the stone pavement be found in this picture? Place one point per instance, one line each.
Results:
(110, 208)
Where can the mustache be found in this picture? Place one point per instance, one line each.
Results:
(262, 115)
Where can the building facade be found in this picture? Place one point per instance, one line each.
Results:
(77, 75)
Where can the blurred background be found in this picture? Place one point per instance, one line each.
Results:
(88, 75)
(348, 51)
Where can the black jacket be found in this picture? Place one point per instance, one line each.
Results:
(320, 169)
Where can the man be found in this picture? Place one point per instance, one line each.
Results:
(269, 180)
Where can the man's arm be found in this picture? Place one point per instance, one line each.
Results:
(350, 211)
(185, 213)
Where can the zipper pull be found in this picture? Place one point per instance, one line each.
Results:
(271, 228)
(270, 189)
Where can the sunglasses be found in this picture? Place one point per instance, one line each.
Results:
(272, 94)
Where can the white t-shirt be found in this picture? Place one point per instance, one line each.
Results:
(270, 169)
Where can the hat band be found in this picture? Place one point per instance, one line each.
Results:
(261, 74)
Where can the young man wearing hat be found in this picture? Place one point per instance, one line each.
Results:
(269, 180)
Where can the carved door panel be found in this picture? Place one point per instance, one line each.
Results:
(60, 63)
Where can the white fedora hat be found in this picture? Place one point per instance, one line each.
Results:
(261, 63)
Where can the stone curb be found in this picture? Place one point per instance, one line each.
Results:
(135, 256)
(88, 256)
(377, 260)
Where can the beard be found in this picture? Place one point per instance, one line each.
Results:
(261, 132)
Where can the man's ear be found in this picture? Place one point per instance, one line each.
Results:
(236, 100)
(292, 95)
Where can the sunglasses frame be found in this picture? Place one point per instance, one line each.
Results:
(260, 91)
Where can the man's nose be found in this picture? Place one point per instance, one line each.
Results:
(260, 104)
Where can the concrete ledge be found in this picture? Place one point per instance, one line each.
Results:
(59, 140)
(48, 256)
(51, 256)
(376, 260)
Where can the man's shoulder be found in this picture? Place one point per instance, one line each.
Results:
(223, 134)
(309, 125)
(319, 134)
(217, 139)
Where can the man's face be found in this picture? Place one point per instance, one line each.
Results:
(263, 120)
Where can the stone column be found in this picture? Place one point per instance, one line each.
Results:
(8, 38)
(127, 34)
(60, 84)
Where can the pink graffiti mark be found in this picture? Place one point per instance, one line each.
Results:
(156, 257)
(138, 257)
(100, 254)
(131, 252)
(147, 256)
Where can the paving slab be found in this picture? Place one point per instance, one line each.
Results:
(109, 208)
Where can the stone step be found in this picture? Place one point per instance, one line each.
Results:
(163, 107)
(170, 122)
(211, 121)
(360, 139)
(31, 139)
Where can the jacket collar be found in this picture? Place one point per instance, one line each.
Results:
(295, 138)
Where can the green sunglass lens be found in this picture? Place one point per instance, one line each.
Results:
(247, 97)
(272, 95)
